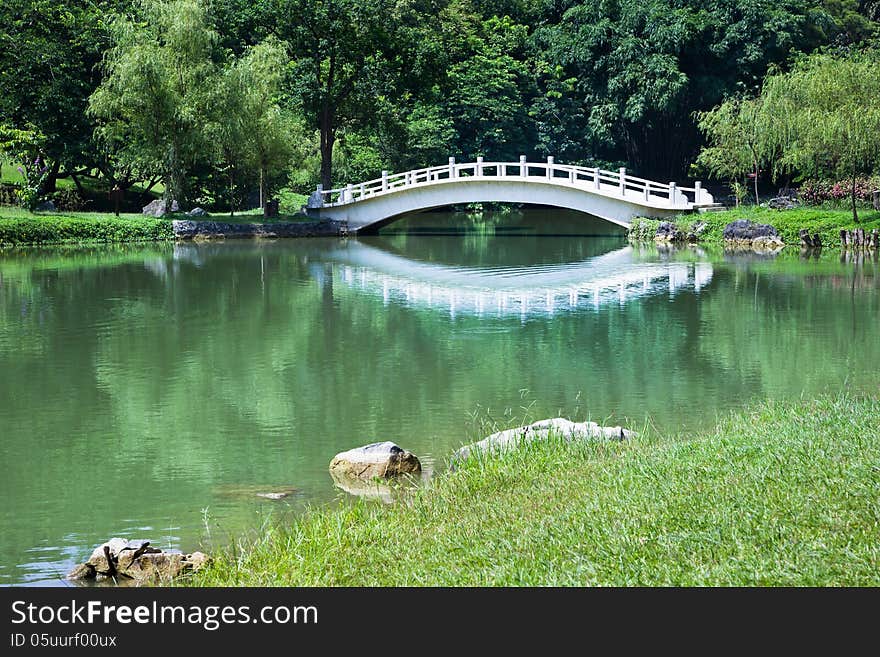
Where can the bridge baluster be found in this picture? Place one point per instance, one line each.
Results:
(549, 167)
(672, 193)
(623, 181)
(571, 176)
(698, 191)
(523, 169)
(596, 181)
(647, 192)
(478, 170)
(451, 167)
(384, 180)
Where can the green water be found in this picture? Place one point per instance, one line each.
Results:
(152, 391)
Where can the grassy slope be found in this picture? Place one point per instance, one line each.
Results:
(787, 494)
(788, 222)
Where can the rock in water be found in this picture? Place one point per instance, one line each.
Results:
(157, 208)
(126, 560)
(383, 460)
(565, 429)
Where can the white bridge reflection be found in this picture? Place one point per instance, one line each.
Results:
(615, 277)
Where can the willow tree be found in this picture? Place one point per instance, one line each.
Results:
(152, 104)
(823, 117)
(249, 128)
(736, 140)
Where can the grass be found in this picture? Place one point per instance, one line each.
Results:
(826, 222)
(20, 227)
(785, 494)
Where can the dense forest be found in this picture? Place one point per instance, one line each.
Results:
(214, 99)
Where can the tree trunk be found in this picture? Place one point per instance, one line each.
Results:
(328, 137)
(855, 211)
(262, 190)
(51, 184)
(757, 198)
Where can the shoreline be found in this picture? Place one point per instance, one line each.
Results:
(650, 511)
(90, 228)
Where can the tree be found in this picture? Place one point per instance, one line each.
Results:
(735, 134)
(49, 52)
(249, 128)
(152, 104)
(824, 115)
(347, 54)
(640, 68)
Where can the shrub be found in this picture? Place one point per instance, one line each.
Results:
(817, 192)
(60, 228)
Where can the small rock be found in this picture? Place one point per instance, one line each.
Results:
(46, 206)
(273, 496)
(783, 203)
(566, 429)
(197, 212)
(383, 460)
(157, 208)
(697, 231)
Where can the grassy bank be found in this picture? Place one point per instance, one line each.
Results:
(19, 227)
(826, 222)
(786, 494)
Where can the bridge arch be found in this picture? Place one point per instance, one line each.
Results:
(613, 196)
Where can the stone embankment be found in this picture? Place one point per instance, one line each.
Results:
(185, 229)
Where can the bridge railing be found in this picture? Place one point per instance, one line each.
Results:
(608, 183)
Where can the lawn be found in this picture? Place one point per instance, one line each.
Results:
(782, 494)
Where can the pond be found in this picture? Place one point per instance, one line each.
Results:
(152, 391)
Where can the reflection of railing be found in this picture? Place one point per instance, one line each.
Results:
(609, 183)
(618, 288)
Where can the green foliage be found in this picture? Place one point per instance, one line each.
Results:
(788, 223)
(25, 147)
(49, 56)
(736, 142)
(823, 116)
(153, 103)
(80, 228)
(249, 130)
(784, 494)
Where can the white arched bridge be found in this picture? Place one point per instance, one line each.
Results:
(611, 195)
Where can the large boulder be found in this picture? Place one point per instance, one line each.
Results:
(542, 430)
(382, 460)
(744, 230)
(197, 212)
(157, 208)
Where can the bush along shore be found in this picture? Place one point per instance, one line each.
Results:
(782, 494)
(765, 229)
